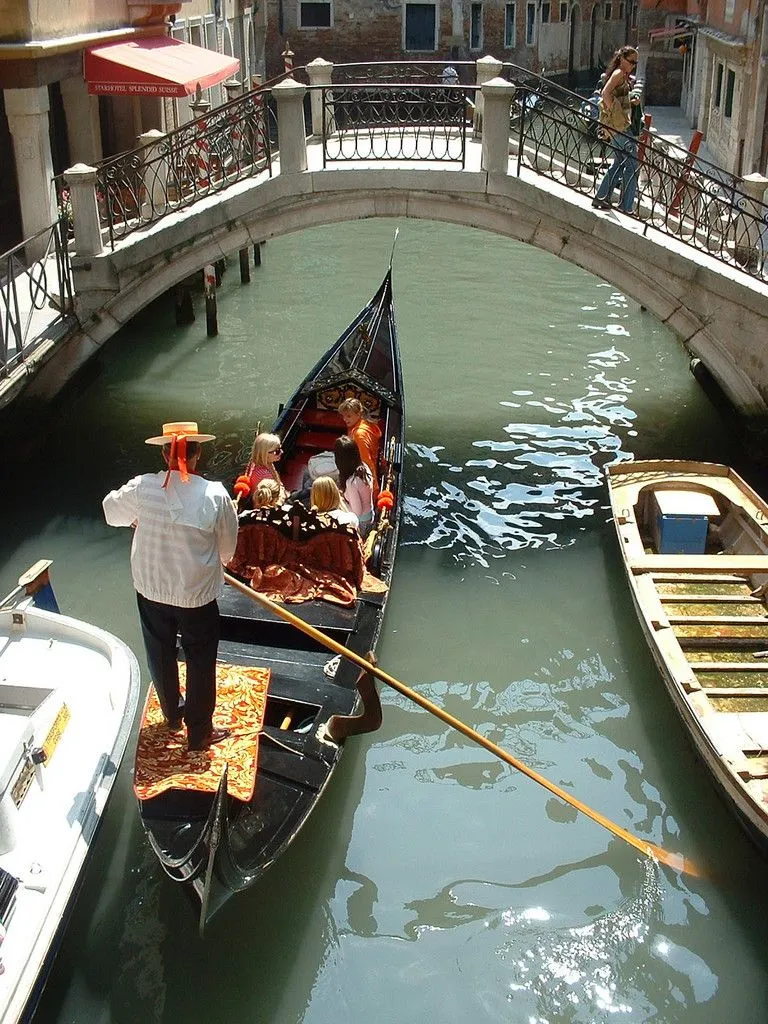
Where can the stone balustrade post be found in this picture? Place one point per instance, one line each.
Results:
(756, 240)
(497, 98)
(27, 111)
(154, 197)
(320, 74)
(292, 140)
(81, 181)
(233, 88)
(486, 68)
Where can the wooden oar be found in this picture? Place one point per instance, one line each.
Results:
(673, 860)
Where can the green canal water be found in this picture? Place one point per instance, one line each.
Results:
(434, 882)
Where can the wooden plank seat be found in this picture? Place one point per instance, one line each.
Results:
(735, 691)
(729, 666)
(739, 642)
(722, 579)
(695, 564)
(709, 599)
(751, 767)
(718, 620)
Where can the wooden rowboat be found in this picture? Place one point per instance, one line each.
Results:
(68, 696)
(694, 539)
(217, 843)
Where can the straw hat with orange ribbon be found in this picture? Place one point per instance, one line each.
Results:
(177, 435)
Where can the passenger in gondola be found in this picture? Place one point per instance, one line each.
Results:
(355, 481)
(367, 435)
(326, 498)
(265, 454)
(267, 494)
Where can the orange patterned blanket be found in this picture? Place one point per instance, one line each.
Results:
(163, 761)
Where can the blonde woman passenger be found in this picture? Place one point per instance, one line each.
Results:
(325, 497)
(267, 494)
(266, 452)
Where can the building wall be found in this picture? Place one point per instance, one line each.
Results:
(47, 19)
(537, 36)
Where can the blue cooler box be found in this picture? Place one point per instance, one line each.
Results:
(681, 519)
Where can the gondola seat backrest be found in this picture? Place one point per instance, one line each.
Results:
(293, 535)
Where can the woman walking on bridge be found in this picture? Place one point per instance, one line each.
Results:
(617, 122)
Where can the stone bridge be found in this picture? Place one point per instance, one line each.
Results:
(717, 310)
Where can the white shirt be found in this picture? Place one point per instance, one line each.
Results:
(183, 534)
(342, 515)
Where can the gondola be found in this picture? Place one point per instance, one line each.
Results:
(694, 539)
(216, 843)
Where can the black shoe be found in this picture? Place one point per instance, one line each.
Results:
(174, 724)
(601, 204)
(214, 736)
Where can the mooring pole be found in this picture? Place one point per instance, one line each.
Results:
(185, 310)
(220, 266)
(211, 319)
(245, 267)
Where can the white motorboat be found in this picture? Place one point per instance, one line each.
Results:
(68, 696)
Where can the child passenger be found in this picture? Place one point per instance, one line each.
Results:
(267, 494)
(325, 497)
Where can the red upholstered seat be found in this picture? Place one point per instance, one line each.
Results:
(328, 418)
(317, 440)
(297, 554)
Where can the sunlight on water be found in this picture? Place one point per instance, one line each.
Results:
(435, 882)
(515, 492)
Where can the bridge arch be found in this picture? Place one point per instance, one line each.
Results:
(719, 319)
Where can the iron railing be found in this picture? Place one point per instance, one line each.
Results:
(36, 293)
(694, 202)
(394, 122)
(403, 111)
(402, 72)
(228, 144)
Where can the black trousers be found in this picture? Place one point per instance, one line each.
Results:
(199, 629)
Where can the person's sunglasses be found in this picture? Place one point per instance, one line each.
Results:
(275, 451)
(632, 63)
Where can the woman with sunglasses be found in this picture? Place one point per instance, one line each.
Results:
(265, 455)
(617, 111)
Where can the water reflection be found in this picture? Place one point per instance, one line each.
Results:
(435, 882)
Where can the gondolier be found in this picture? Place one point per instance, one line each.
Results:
(185, 528)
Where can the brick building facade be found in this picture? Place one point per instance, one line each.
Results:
(556, 37)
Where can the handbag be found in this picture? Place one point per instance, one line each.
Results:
(612, 120)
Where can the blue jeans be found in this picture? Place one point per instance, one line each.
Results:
(623, 172)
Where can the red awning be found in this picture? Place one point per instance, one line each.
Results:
(671, 33)
(154, 66)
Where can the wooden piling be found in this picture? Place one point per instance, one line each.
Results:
(211, 318)
(185, 310)
(245, 267)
